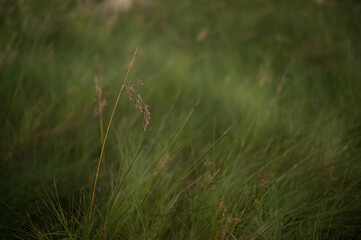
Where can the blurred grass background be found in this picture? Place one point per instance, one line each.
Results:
(284, 75)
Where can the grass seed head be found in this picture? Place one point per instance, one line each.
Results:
(98, 110)
(136, 99)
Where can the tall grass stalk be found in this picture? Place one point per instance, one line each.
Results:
(99, 109)
(106, 133)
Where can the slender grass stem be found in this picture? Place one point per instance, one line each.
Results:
(106, 133)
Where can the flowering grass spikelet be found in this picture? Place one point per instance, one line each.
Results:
(137, 100)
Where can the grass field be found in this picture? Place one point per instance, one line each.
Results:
(255, 129)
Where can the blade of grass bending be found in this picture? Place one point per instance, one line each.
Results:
(200, 158)
(115, 194)
(191, 168)
(117, 191)
(142, 196)
(106, 133)
(253, 207)
(170, 145)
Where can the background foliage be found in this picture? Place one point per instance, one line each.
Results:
(271, 150)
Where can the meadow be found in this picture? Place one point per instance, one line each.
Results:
(239, 119)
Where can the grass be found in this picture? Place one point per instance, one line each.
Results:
(255, 130)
